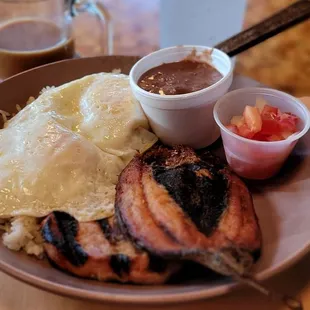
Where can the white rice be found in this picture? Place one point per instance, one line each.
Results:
(117, 71)
(4, 116)
(46, 88)
(23, 233)
(30, 99)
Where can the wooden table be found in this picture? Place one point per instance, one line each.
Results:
(137, 33)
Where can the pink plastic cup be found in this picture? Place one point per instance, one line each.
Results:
(257, 159)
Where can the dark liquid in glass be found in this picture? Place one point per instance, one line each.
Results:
(28, 43)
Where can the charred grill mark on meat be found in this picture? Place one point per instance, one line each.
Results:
(256, 254)
(157, 264)
(120, 264)
(106, 229)
(61, 232)
(110, 256)
(188, 185)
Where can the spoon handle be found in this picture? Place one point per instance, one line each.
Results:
(284, 19)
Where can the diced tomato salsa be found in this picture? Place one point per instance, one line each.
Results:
(264, 123)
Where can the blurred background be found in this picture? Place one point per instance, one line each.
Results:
(142, 26)
(282, 62)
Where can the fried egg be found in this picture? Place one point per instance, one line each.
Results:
(66, 149)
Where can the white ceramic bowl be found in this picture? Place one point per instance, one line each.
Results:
(257, 159)
(182, 119)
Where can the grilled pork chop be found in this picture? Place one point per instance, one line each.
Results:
(176, 204)
(173, 204)
(98, 250)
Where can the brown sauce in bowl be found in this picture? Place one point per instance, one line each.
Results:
(178, 78)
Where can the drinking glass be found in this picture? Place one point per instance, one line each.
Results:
(37, 32)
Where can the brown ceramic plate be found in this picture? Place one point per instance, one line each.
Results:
(282, 205)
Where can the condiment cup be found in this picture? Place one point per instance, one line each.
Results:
(258, 159)
(182, 119)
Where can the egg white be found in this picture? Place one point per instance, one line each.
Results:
(66, 149)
